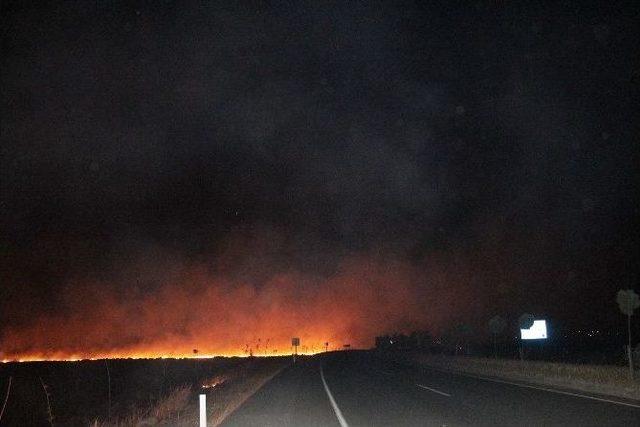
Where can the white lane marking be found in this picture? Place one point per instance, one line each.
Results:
(336, 409)
(433, 390)
(550, 390)
(422, 386)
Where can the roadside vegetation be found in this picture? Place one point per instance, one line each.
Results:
(589, 360)
(130, 392)
(602, 379)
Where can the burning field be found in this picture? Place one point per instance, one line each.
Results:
(193, 312)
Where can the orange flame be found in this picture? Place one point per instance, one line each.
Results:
(219, 316)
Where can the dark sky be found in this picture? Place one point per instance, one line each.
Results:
(496, 139)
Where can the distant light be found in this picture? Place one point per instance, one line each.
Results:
(538, 331)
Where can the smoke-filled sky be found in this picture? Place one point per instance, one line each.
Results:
(180, 175)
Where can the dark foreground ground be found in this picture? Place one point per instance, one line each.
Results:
(113, 391)
(351, 388)
(369, 391)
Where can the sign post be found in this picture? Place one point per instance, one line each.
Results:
(628, 301)
(295, 342)
(525, 322)
(496, 326)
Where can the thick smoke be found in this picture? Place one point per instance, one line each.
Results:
(208, 175)
(220, 314)
(254, 295)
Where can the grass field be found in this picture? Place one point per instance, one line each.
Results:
(128, 392)
(604, 379)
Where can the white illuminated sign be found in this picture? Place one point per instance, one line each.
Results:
(538, 331)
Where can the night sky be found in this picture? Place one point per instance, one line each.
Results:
(171, 169)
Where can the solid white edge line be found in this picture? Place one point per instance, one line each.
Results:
(550, 390)
(433, 390)
(336, 409)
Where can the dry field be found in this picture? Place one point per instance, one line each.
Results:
(132, 393)
(602, 379)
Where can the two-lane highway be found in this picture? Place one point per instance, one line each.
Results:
(359, 389)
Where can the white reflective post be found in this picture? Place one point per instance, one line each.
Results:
(203, 410)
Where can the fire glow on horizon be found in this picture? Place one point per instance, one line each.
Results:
(62, 357)
(220, 316)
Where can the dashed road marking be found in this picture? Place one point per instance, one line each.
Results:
(550, 390)
(433, 390)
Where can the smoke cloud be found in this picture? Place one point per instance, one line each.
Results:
(208, 175)
(221, 314)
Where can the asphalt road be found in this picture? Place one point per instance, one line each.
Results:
(359, 389)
